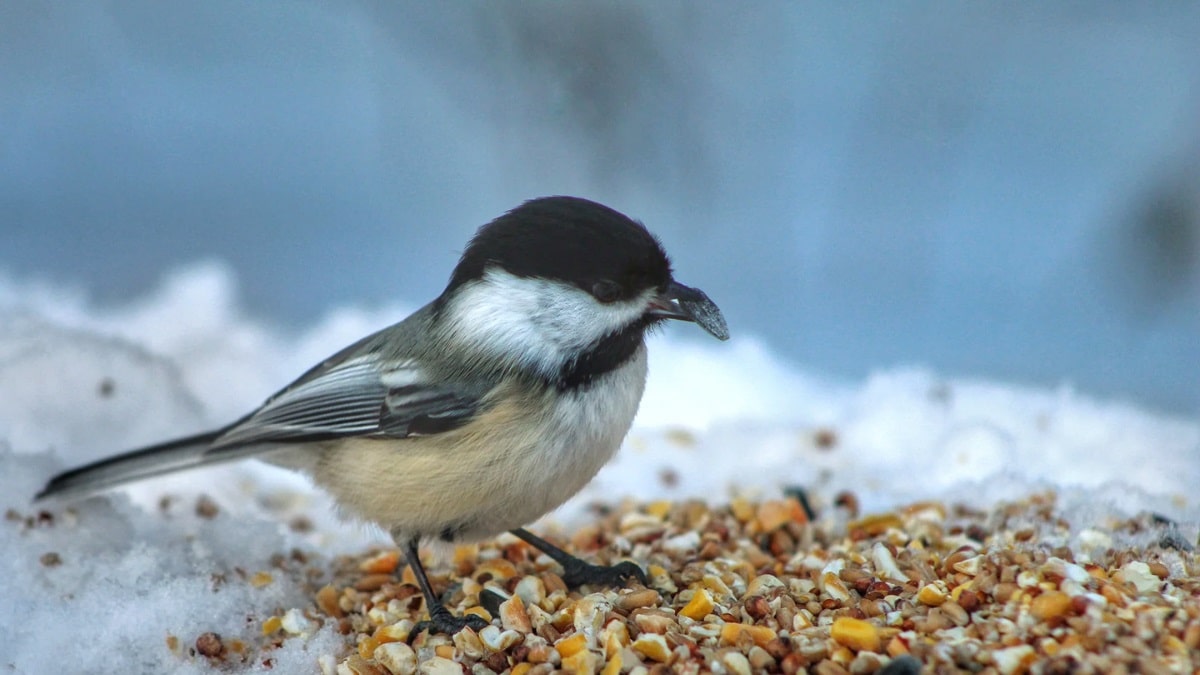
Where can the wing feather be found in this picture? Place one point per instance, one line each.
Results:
(357, 397)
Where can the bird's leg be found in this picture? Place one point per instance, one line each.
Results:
(440, 618)
(576, 572)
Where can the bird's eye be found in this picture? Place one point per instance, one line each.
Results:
(606, 291)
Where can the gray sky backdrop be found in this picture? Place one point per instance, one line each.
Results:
(1006, 190)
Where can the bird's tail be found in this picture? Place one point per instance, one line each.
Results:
(184, 453)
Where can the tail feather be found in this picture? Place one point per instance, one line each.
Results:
(184, 453)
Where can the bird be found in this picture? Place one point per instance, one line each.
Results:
(480, 412)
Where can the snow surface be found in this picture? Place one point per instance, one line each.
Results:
(80, 381)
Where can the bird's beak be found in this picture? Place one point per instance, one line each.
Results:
(689, 304)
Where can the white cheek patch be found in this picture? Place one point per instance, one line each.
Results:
(542, 323)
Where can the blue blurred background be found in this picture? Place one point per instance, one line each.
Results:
(993, 189)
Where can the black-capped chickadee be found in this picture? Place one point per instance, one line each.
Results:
(482, 411)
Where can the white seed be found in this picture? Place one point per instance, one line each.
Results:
(1138, 573)
(295, 623)
(498, 640)
(832, 584)
(589, 615)
(970, 566)
(885, 564)
(760, 660)
(1091, 539)
(468, 642)
(736, 662)
(440, 666)
(833, 566)
(531, 590)
(762, 585)
(1072, 587)
(1068, 570)
(1013, 659)
(682, 544)
(636, 525)
(397, 657)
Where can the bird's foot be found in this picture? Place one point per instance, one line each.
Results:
(578, 573)
(442, 621)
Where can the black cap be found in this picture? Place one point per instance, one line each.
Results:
(572, 240)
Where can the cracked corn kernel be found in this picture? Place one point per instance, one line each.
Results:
(856, 634)
(407, 576)
(327, 600)
(444, 651)
(582, 662)
(659, 509)
(479, 612)
(742, 510)
(384, 562)
(499, 568)
(396, 632)
(761, 635)
(876, 524)
(700, 606)
(646, 597)
(613, 667)
(571, 646)
(616, 637)
(367, 646)
(1191, 635)
(261, 579)
(465, 555)
(1050, 605)
(271, 625)
(513, 615)
(717, 586)
(774, 514)
(931, 595)
(653, 647)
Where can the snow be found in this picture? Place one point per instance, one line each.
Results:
(79, 381)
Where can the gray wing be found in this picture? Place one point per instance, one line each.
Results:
(359, 396)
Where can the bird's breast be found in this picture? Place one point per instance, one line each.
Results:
(526, 454)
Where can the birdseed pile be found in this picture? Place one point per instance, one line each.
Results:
(761, 588)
